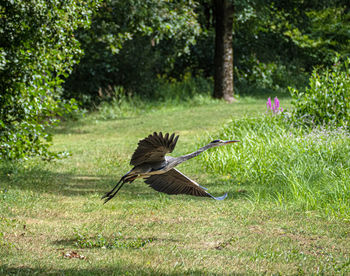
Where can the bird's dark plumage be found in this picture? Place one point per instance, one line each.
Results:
(153, 148)
(174, 182)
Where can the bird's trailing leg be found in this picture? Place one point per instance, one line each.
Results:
(126, 178)
(113, 194)
(115, 187)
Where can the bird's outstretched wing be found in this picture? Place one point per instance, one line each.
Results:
(153, 148)
(174, 182)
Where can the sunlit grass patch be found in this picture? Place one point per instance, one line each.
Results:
(308, 168)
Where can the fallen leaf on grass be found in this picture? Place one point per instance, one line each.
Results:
(73, 254)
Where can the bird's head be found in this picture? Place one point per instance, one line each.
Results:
(219, 142)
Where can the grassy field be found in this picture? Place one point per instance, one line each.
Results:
(52, 220)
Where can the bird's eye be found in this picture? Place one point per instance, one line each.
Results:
(215, 141)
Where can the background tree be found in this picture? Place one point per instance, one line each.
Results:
(223, 60)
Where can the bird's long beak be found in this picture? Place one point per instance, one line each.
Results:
(231, 141)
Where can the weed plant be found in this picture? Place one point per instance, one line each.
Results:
(291, 166)
(100, 241)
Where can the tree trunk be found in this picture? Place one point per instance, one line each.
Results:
(223, 60)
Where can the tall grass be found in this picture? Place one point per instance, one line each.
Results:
(310, 169)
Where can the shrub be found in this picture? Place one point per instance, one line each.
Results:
(38, 49)
(327, 99)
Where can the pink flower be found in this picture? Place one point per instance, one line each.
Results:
(269, 105)
(275, 108)
(276, 105)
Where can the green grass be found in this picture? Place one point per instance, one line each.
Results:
(52, 220)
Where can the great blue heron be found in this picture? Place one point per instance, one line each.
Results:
(150, 162)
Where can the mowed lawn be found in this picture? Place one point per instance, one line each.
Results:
(52, 220)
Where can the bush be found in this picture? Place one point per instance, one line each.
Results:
(253, 74)
(38, 49)
(327, 99)
(308, 169)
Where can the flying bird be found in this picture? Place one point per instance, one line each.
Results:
(151, 163)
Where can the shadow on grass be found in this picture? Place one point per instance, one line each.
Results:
(59, 183)
(40, 180)
(70, 127)
(116, 269)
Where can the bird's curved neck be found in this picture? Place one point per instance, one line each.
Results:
(185, 157)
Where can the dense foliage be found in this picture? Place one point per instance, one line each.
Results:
(129, 44)
(327, 98)
(38, 49)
